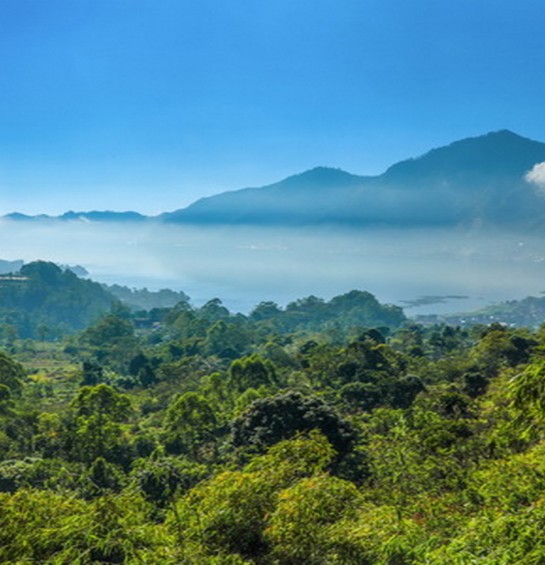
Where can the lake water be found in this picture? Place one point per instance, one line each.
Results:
(244, 266)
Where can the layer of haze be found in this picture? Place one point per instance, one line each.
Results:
(244, 266)
(146, 105)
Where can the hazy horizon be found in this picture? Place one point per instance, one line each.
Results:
(246, 265)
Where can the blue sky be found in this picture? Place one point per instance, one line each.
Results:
(149, 104)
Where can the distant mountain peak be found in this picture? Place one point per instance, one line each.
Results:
(474, 179)
(320, 176)
(321, 172)
(470, 181)
(503, 133)
(502, 151)
(502, 136)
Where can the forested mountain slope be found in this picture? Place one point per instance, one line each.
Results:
(213, 438)
(44, 299)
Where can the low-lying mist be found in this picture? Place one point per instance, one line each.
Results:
(246, 265)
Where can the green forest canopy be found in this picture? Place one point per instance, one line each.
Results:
(291, 435)
(323, 432)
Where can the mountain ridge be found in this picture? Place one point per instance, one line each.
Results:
(472, 180)
(500, 147)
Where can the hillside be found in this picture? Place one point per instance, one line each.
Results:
(475, 180)
(42, 299)
(528, 312)
(46, 301)
(479, 181)
(314, 195)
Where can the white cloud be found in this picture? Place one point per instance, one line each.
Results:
(537, 177)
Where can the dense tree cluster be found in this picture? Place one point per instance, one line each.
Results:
(320, 433)
(41, 300)
(144, 299)
(44, 301)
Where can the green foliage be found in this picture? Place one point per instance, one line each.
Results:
(102, 400)
(226, 339)
(6, 402)
(42, 527)
(296, 435)
(190, 421)
(229, 512)
(527, 391)
(498, 348)
(353, 309)
(160, 478)
(293, 459)
(144, 299)
(109, 330)
(415, 453)
(299, 529)
(48, 301)
(501, 538)
(251, 372)
(103, 477)
(111, 341)
(14, 473)
(99, 412)
(11, 374)
(280, 417)
(361, 396)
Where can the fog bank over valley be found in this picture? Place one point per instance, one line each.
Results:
(243, 266)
